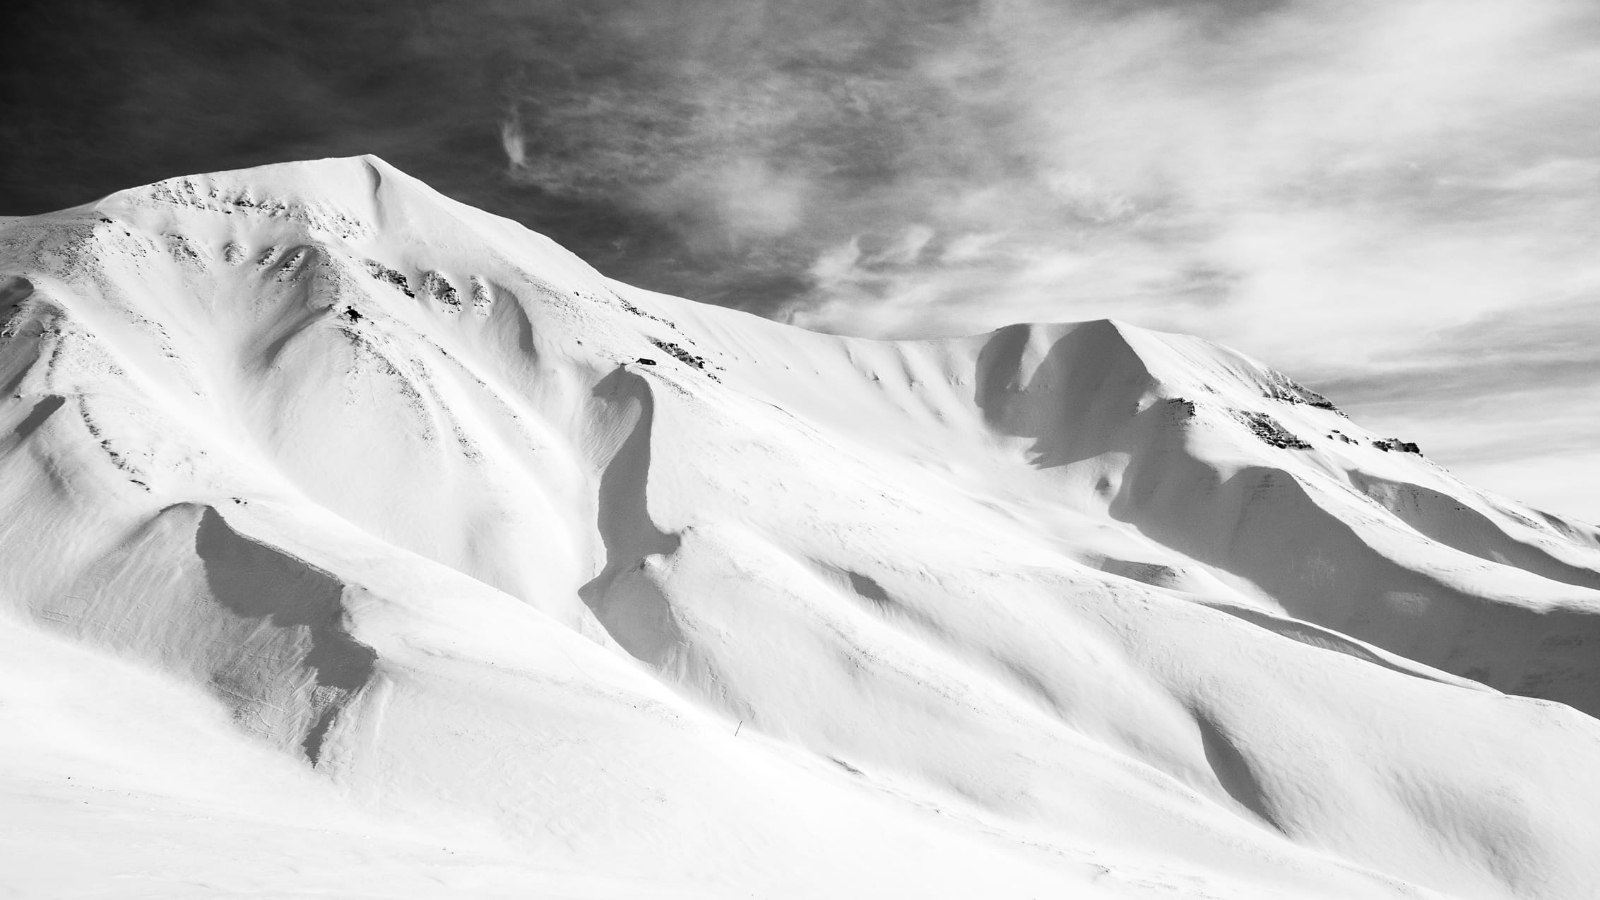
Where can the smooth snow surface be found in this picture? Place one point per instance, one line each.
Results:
(358, 543)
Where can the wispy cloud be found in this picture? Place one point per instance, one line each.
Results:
(1394, 199)
(1378, 195)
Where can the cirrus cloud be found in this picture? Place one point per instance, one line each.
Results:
(1376, 196)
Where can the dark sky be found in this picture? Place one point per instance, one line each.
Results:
(1395, 200)
(623, 110)
(100, 95)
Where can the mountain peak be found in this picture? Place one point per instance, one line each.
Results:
(350, 180)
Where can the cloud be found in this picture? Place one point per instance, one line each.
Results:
(513, 143)
(1268, 147)
(1365, 193)
(1499, 399)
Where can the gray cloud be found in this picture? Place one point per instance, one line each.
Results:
(1546, 348)
(1394, 199)
(1509, 385)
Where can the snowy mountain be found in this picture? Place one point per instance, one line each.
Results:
(358, 543)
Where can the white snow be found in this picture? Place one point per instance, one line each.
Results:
(351, 548)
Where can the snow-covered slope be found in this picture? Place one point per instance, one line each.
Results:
(360, 543)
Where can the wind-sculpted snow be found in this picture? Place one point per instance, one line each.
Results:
(345, 522)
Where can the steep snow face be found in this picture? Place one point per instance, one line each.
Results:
(371, 526)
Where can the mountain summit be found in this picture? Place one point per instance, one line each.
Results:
(361, 543)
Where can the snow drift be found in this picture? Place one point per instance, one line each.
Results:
(361, 543)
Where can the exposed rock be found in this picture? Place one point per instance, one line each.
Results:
(640, 313)
(1270, 431)
(680, 354)
(389, 276)
(439, 288)
(1283, 388)
(1397, 445)
(482, 298)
